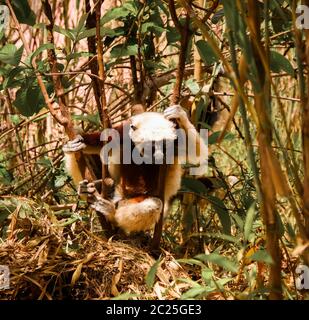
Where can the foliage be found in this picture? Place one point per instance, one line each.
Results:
(245, 74)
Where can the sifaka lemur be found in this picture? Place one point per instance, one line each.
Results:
(134, 204)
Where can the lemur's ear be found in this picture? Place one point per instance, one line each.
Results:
(137, 109)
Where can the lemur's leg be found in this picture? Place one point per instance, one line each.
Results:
(177, 113)
(136, 214)
(73, 146)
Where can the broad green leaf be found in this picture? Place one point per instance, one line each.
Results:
(60, 181)
(151, 275)
(91, 118)
(219, 260)
(122, 50)
(133, 7)
(220, 236)
(193, 185)
(249, 222)
(262, 256)
(278, 63)
(29, 100)
(151, 26)
(66, 32)
(78, 55)
(172, 35)
(10, 54)
(10, 81)
(114, 14)
(41, 48)
(207, 274)
(206, 52)
(103, 32)
(23, 12)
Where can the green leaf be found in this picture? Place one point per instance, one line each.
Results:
(66, 32)
(6, 177)
(278, 63)
(103, 32)
(10, 81)
(122, 50)
(60, 181)
(206, 52)
(81, 23)
(193, 86)
(151, 275)
(281, 20)
(10, 54)
(114, 14)
(151, 26)
(191, 262)
(212, 139)
(220, 236)
(78, 55)
(207, 274)
(219, 260)
(41, 48)
(193, 185)
(29, 100)
(262, 256)
(172, 35)
(194, 292)
(91, 118)
(23, 12)
(249, 222)
(223, 214)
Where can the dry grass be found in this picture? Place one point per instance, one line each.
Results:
(48, 261)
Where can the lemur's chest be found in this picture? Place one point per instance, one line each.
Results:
(140, 179)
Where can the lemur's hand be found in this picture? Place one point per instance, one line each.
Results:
(74, 145)
(176, 112)
(88, 190)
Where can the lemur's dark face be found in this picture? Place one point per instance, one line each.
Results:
(151, 134)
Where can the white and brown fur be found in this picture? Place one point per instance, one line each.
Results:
(135, 205)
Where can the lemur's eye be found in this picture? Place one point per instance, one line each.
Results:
(133, 127)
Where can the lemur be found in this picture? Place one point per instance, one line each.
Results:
(135, 205)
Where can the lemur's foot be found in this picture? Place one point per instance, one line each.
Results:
(106, 207)
(74, 145)
(176, 112)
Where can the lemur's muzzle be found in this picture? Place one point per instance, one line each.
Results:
(157, 152)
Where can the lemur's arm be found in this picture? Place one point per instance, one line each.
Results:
(89, 143)
(177, 113)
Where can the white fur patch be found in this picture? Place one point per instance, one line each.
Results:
(139, 216)
(151, 126)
